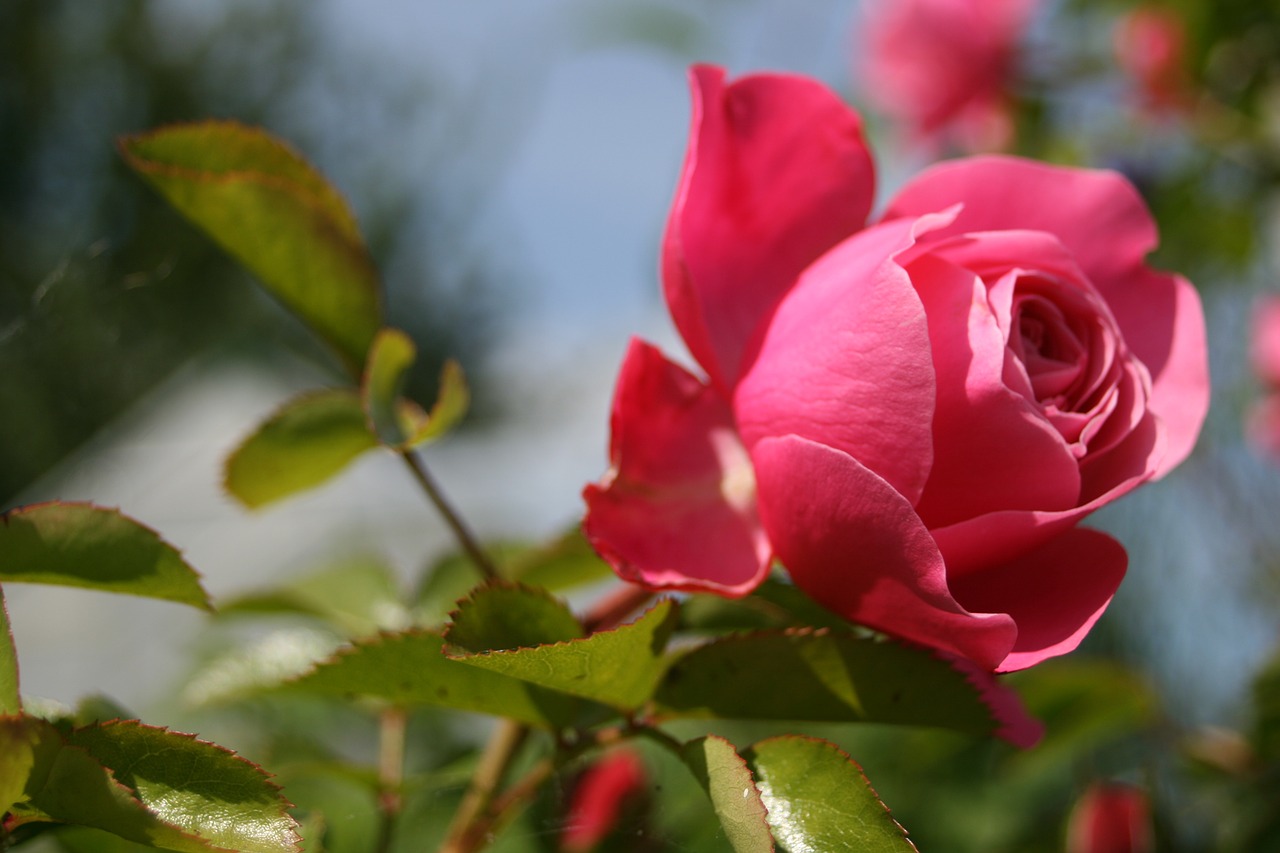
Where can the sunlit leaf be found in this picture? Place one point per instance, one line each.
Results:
(399, 422)
(277, 215)
(725, 777)
(155, 787)
(564, 562)
(818, 799)
(78, 544)
(10, 698)
(262, 665)
(829, 677)
(619, 668)
(359, 597)
(17, 758)
(410, 670)
(305, 443)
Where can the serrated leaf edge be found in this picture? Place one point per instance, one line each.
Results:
(502, 583)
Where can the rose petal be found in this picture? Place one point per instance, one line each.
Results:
(1264, 349)
(1054, 593)
(677, 509)
(857, 547)
(845, 361)
(1097, 214)
(993, 448)
(776, 173)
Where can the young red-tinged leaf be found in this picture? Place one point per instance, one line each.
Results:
(828, 677)
(619, 668)
(10, 698)
(410, 670)
(502, 615)
(275, 214)
(302, 445)
(155, 787)
(452, 401)
(817, 798)
(78, 544)
(725, 777)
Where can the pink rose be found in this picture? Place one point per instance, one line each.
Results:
(942, 67)
(599, 799)
(1264, 421)
(911, 416)
(1150, 45)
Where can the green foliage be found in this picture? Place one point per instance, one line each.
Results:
(502, 615)
(409, 669)
(151, 786)
(10, 699)
(304, 444)
(725, 777)
(279, 217)
(818, 799)
(77, 544)
(822, 676)
(619, 668)
(398, 422)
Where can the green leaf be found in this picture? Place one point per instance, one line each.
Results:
(619, 668)
(10, 698)
(359, 597)
(409, 669)
(564, 562)
(308, 441)
(818, 799)
(155, 787)
(398, 422)
(502, 615)
(17, 758)
(277, 215)
(829, 677)
(78, 544)
(725, 777)
(263, 665)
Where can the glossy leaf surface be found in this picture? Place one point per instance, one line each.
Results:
(725, 777)
(818, 799)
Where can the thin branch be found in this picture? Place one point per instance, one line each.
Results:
(391, 738)
(609, 611)
(460, 530)
(472, 821)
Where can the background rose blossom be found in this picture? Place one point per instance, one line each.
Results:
(912, 416)
(943, 68)
(1264, 420)
(1150, 44)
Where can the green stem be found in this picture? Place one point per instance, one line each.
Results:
(391, 739)
(460, 530)
(475, 818)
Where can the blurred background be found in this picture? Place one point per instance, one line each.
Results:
(511, 164)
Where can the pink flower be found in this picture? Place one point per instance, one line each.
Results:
(1111, 818)
(911, 417)
(598, 799)
(1264, 421)
(943, 67)
(1150, 45)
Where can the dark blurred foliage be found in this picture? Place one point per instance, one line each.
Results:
(92, 263)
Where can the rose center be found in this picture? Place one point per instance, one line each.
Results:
(1050, 350)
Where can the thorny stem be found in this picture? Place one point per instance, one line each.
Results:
(460, 530)
(473, 821)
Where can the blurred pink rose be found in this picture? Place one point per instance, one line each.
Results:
(599, 798)
(1264, 421)
(1111, 818)
(913, 416)
(943, 67)
(1150, 45)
